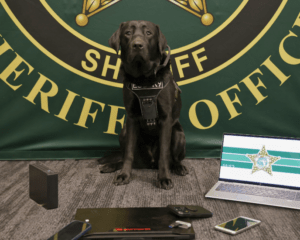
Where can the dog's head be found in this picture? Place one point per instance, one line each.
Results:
(142, 47)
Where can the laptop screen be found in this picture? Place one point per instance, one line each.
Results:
(261, 160)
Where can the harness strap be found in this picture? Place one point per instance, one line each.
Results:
(178, 90)
(165, 62)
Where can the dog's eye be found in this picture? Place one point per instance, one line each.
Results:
(128, 33)
(148, 33)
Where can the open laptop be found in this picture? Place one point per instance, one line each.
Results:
(133, 223)
(259, 169)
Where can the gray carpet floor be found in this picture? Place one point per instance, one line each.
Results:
(82, 186)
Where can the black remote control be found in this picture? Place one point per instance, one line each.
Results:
(190, 211)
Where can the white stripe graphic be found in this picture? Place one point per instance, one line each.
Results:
(297, 159)
(252, 163)
(278, 178)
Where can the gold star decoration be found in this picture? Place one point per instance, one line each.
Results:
(262, 161)
(92, 7)
(196, 7)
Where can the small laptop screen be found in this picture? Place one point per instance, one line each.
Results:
(262, 160)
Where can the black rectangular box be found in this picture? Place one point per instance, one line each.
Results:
(133, 223)
(43, 186)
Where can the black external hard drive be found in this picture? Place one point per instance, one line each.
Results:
(43, 186)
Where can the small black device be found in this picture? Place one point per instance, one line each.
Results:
(237, 225)
(43, 186)
(72, 231)
(189, 211)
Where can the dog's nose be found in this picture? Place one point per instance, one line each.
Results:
(137, 45)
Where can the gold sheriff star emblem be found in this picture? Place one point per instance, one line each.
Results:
(262, 161)
(196, 7)
(92, 7)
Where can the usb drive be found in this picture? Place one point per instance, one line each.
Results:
(184, 225)
(174, 225)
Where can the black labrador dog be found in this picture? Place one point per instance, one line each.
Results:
(152, 132)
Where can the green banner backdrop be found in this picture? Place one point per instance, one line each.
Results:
(236, 61)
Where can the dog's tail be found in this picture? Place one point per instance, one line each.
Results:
(111, 163)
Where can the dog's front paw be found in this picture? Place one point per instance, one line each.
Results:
(121, 179)
(165, 183)
(180, 170)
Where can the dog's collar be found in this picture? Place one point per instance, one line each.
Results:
(165, 62)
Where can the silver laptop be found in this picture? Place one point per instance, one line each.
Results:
(259, 169)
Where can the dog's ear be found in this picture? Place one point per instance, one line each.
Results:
(162, 41)
(114, 41)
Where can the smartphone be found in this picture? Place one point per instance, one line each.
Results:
(237, 225)
(72, 231)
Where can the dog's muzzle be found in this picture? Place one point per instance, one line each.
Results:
(138, 45)
(137, 50)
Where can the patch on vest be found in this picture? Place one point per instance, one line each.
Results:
(159, 85)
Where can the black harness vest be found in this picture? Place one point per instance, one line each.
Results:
(147, 97)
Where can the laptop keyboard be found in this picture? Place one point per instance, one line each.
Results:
(258, 191)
